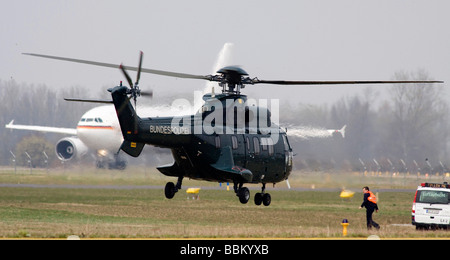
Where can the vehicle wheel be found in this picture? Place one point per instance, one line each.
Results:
(169, 190)
(266, 199)
(258, 198)
(244, 195)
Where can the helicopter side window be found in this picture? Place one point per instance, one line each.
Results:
(270, 145)
(217, 140)
(256, 145)
(234, 142)
(264, 144)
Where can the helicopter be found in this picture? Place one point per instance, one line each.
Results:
(230, 139)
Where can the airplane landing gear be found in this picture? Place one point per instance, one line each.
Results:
(263, 197)
(171, 188)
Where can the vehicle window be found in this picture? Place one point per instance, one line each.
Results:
(234, 142)
(248, 143)
(256, 145)
(89, 120)
(83, 119)
(433, 196)
(100, 120)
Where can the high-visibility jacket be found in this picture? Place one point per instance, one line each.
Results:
(372, 197)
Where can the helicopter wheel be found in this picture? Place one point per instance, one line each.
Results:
(170, 190)
(244, 195)
(263, 198)
(266, 199)
(258, 198)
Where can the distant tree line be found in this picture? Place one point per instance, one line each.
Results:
(407, 130)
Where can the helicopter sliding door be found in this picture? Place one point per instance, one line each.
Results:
(239, 148)
(254, 160)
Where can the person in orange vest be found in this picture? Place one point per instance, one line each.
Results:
(370, 203)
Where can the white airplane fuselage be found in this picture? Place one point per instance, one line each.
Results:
(99, 129)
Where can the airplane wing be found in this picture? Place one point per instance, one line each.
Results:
(59, 130)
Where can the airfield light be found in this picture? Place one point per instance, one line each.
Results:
(344, 225)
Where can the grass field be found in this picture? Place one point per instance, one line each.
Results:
(126, 210)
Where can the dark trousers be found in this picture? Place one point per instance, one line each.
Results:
(370, 222)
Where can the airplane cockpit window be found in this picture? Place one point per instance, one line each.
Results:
(89, 120)
(100, 120)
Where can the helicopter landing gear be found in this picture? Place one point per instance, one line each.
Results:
(243, 193)
(171, 188)
(263, 197)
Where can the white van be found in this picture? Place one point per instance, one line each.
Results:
(431, 206)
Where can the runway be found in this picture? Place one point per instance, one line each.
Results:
(156, 187)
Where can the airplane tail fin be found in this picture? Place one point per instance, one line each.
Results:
(342, 131)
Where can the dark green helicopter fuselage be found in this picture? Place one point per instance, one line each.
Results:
(205, 147)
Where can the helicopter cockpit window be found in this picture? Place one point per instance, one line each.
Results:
(286, 143)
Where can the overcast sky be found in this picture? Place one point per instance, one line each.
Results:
(292, 40)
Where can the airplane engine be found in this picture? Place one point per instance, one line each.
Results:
(69, 148)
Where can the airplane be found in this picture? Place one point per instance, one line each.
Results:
(338, 131)
(98, 130)
(228, 140)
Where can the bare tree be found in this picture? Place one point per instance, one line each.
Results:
(417, 126)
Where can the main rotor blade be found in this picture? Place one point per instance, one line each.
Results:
(109, 65)
(139, 68)
(125, 73)
(287, 82)
(89, 100)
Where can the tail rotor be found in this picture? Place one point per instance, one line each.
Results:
(134, 90)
